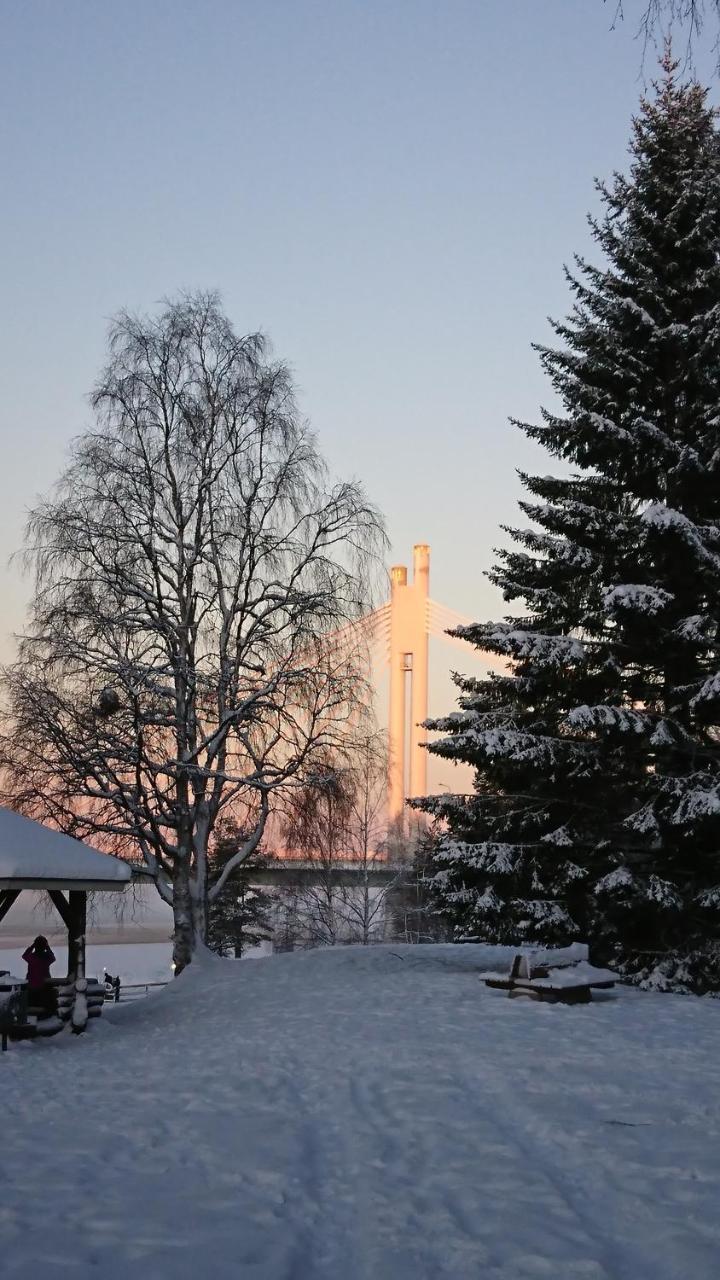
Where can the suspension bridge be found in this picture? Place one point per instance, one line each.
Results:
(396, 636)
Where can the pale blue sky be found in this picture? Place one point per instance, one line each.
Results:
(388, 188)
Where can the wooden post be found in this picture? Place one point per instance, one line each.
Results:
(77, 903)
(61, 906)
(64, 910)
(7, 897)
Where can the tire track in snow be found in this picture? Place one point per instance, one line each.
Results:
(579, 1171)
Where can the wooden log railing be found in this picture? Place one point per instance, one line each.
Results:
(142, 988)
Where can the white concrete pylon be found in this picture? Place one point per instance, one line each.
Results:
(408, 661)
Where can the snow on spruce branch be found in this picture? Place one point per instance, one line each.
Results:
(524, 645)
(636, 598)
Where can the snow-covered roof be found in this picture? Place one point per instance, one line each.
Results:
(35, 856)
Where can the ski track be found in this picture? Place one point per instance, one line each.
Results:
(365, 1115)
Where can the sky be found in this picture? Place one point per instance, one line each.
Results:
(387, 188)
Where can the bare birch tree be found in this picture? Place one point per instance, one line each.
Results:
(189, 572)
(656, 20)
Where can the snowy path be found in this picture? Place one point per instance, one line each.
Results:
(366, 1115)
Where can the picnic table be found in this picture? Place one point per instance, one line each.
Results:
(561, 978)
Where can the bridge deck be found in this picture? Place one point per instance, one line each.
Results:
(289, 871)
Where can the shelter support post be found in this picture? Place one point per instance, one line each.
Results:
(73, 912)
(7, 897)
(77, 900)
(62, 907)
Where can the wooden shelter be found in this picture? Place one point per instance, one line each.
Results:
(33, 856)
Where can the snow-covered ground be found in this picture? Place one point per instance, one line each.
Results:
(368, 1114)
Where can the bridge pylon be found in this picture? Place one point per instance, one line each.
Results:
(409, 621)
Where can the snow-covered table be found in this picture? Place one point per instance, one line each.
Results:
(8, 981)
(560, 979)
(13, 1007)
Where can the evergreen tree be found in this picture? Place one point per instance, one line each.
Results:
(596, 810)
(412, 906)
(241, 915)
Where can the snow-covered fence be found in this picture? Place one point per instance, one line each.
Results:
(133, 991)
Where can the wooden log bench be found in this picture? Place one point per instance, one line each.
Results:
(95, 996)
(25, 1016)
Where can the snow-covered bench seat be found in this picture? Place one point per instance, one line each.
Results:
(564, 978)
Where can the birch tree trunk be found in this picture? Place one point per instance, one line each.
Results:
(183, 918)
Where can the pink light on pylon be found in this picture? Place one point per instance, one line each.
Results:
(402, 629)
(408, 657)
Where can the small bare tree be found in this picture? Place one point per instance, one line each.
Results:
(339, 825)
(363, 901)
(315, 824)
(190, 571)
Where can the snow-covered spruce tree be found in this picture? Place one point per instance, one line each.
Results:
(241, 915)
(596, 810)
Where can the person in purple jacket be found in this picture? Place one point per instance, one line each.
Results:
(39, 959)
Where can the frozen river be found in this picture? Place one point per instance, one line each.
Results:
(132, 961)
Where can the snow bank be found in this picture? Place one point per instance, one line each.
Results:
(369, 1114)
